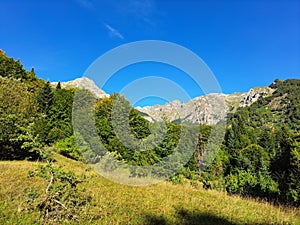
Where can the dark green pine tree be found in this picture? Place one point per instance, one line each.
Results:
(45, 99)
(58, 86)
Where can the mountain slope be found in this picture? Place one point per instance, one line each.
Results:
(112, 203)
(210, 109)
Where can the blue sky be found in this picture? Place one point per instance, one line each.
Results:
(245, 43)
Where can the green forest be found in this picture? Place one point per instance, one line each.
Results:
(259, 157)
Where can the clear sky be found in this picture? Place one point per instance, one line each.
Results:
(245, 43)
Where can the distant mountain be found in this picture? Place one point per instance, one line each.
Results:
(84, 83)
(210, 109)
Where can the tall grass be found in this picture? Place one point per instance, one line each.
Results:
(162, 203)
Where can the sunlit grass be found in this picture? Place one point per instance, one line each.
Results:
(163, 203)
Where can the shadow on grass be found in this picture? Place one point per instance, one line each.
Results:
(184, 217)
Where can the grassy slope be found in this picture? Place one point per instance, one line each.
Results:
(157, 204)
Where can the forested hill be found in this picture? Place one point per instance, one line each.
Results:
(259, 157)
(262, 146)
(32, 114)
(13, 69)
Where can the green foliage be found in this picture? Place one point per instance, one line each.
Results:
(139, 128)
(294, 172)
(61, 114)
(112, 116)
(13, 69)
(55, 114)
(63, 200)
(178, 179)
(84, 126)
(69, 148)
(45, 99)
(16, 117)
(260, 148)
(32, 113)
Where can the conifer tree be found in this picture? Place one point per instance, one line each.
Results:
(58, 86)
(45, 99)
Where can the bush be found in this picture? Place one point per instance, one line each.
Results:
(62, 200)
(69, 148)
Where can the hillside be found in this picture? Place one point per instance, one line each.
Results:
(112, 203)
(260, 153)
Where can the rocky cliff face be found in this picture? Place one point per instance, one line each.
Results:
(210, 109)
(84, 83)
(254, 94)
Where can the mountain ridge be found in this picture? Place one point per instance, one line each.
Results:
(208, 109)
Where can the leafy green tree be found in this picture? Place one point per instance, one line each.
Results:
(17, 111)
(69, 148)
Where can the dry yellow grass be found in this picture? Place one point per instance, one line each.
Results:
(162, 203)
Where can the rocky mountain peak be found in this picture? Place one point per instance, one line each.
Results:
(209, 109)
(84, 83)
(255, 94)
